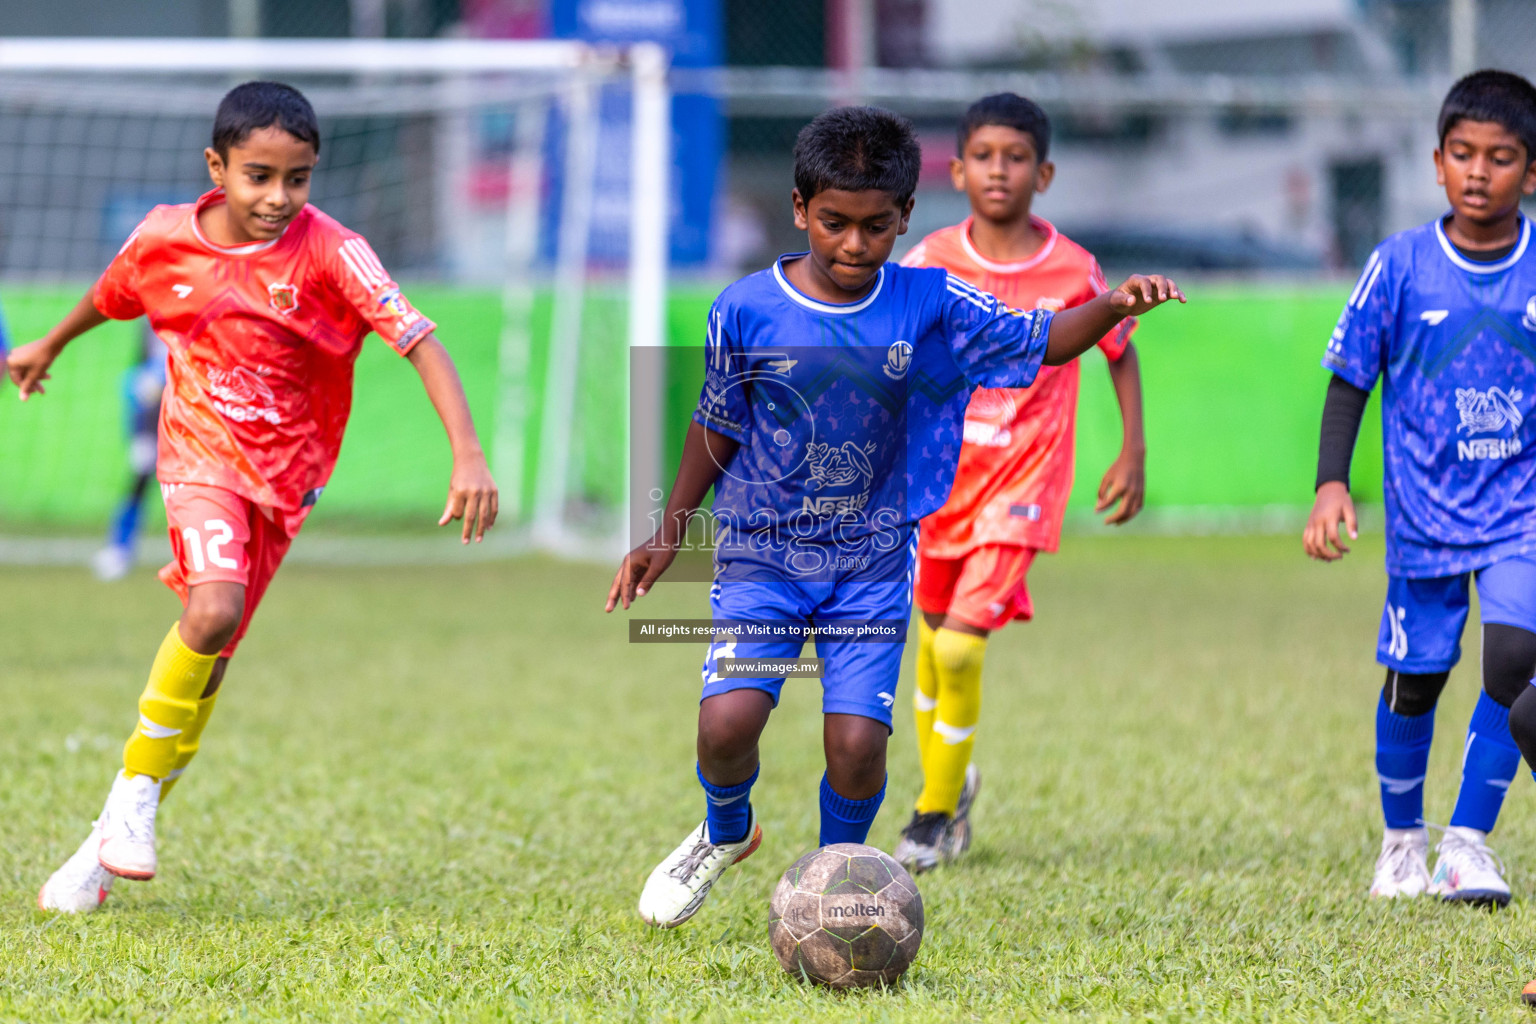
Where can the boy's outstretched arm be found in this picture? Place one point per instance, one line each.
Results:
(1125, 481)
(705, 454)
(471, 491)
(1076, 330)
(28, 365)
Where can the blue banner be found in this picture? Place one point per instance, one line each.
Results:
(690, 29)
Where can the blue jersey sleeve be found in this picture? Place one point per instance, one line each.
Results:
(723, 403)
(5, 336)
(1358, 347)
(994, 345)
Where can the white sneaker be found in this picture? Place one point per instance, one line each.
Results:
(82, 884)
(1401, 869)
(677, 887)
(111, 563)
(128, 837)
(1467, 871)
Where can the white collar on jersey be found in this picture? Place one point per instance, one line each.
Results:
(208, 199)
(824, 307)
(1473, 266)
(1038, 223)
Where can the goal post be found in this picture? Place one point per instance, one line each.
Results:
(472, 167)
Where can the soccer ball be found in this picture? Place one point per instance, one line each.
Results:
(847, 916)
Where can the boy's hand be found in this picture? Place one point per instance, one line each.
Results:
(641, 567)
(1333, 503)
(1125, 482)
(28, 365)
(471, 497)
(1141, 292)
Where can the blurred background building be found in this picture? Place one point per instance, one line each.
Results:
(1217, 134)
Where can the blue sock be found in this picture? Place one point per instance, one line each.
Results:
(727, 809)
(1402, 758)
(125, 524)
(1488, 766)
(844, 820)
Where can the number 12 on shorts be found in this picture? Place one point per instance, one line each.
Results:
(220, 533)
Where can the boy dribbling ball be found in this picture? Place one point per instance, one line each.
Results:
(1443, 312)
(263, 302)
(829, 424)
(1016, 465)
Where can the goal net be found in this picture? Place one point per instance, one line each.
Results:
(517, 190)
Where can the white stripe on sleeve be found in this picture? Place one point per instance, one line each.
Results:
(1367, 279)
(365, 275)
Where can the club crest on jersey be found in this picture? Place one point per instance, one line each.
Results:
(283, 297)
(897, 358)
(1529, 320)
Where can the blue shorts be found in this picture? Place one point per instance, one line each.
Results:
(858, 678)
(1423, 619)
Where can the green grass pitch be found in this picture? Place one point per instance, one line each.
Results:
(433, 794)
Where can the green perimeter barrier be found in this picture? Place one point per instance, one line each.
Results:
(1232, 383)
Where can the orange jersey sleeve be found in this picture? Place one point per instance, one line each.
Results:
(361, 280)
(1016, 462)
(117, 290)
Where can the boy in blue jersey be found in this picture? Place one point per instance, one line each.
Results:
(1446, 313)
(830, 423)
(142, 387)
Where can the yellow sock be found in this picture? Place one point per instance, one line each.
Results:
(187, 743)
(167, 708)
(957, 659)
(926, 697)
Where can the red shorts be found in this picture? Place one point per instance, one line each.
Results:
(985, 589)
(219, 537)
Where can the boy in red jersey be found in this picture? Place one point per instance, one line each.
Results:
(1015, 471)
(263, 302)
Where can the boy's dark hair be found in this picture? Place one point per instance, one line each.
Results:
(1502, 97)
(1010, 110)
(256, 105)
(857, 149)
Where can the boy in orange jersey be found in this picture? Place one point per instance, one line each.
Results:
(263, 303)
(1015, 471)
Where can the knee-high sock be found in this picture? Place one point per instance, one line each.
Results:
(958, 658)
(844, 820)
(1487, 767)
(728, 809)
(167, 708)
(925, 698)
(1402, 758)
(187, 744)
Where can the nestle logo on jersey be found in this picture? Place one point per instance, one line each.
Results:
(1487, 448)
(1483, 412)
(830, 506)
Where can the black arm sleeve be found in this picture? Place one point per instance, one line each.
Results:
(1343, 410)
